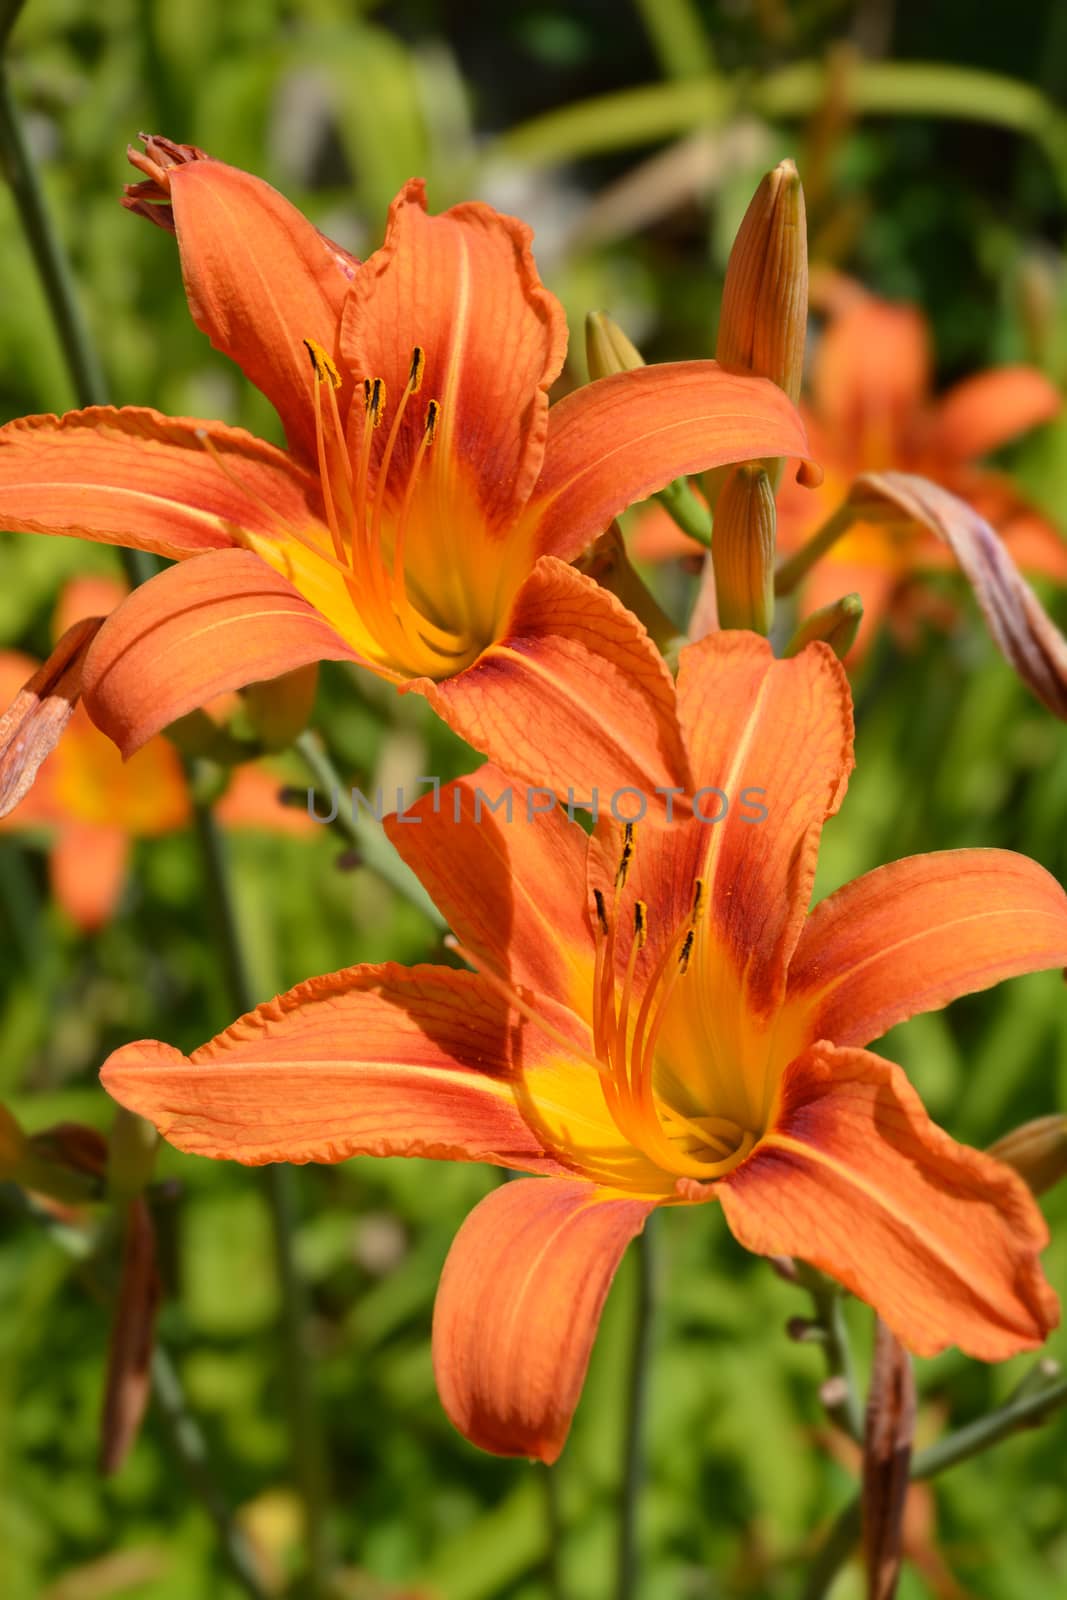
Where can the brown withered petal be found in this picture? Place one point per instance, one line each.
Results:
(150, 198)
(31, 726)
(887, 1462)
(72, 1145)
(129, 1360)
(1021, 628)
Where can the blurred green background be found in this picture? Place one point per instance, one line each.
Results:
(631, 135)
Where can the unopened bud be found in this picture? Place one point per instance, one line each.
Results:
(836, 625)
(764, 316)
(279, 709)
(1037, 1151)
(607, 349)
(744, 550)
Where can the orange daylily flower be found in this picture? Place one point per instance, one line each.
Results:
(655, 1019)
(422, 520)
(94, 804)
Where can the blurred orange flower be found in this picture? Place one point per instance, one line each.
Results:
(871, 409)
(422, 520)
(94, 803)
(655, 1019)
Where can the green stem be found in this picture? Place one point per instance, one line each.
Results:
(553, 1566)
(373, 847)
(835, 1550)
(53, 269)
(678, 37)
(50, 260)
(843, 1406)
(791, 572)
(308, 1451)
(626, 1586)
(1025, 1410)
(690, 513)
(190, 1449)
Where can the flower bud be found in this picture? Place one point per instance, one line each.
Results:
(764, 315)
(279, 709)
(1037, 1151)
(744, 550)
(607, 349)
(836, 625)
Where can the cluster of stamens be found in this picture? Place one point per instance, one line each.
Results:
(626, 1049)
(369, 549)
(625, 1038)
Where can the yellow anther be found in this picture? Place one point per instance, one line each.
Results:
(322, 364)
(601, 913)
(640, 923)
(418, 367)
(628, 846)
(698, 902)
(687, 951)
(433, 417)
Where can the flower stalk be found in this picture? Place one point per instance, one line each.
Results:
(627, 1585)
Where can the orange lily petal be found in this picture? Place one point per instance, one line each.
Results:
(518, 1309)
(135, 477)
(260, 279)
(1021, 628)
(87, 870)
(855, 1179)
(984, 412)
(574, 696)
(783, 728)
(381, 1060)
(618, 440)
(32, 725)
(462, 287)
(196, 630)
(870, 378)
(528, 918)
(918, 933)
